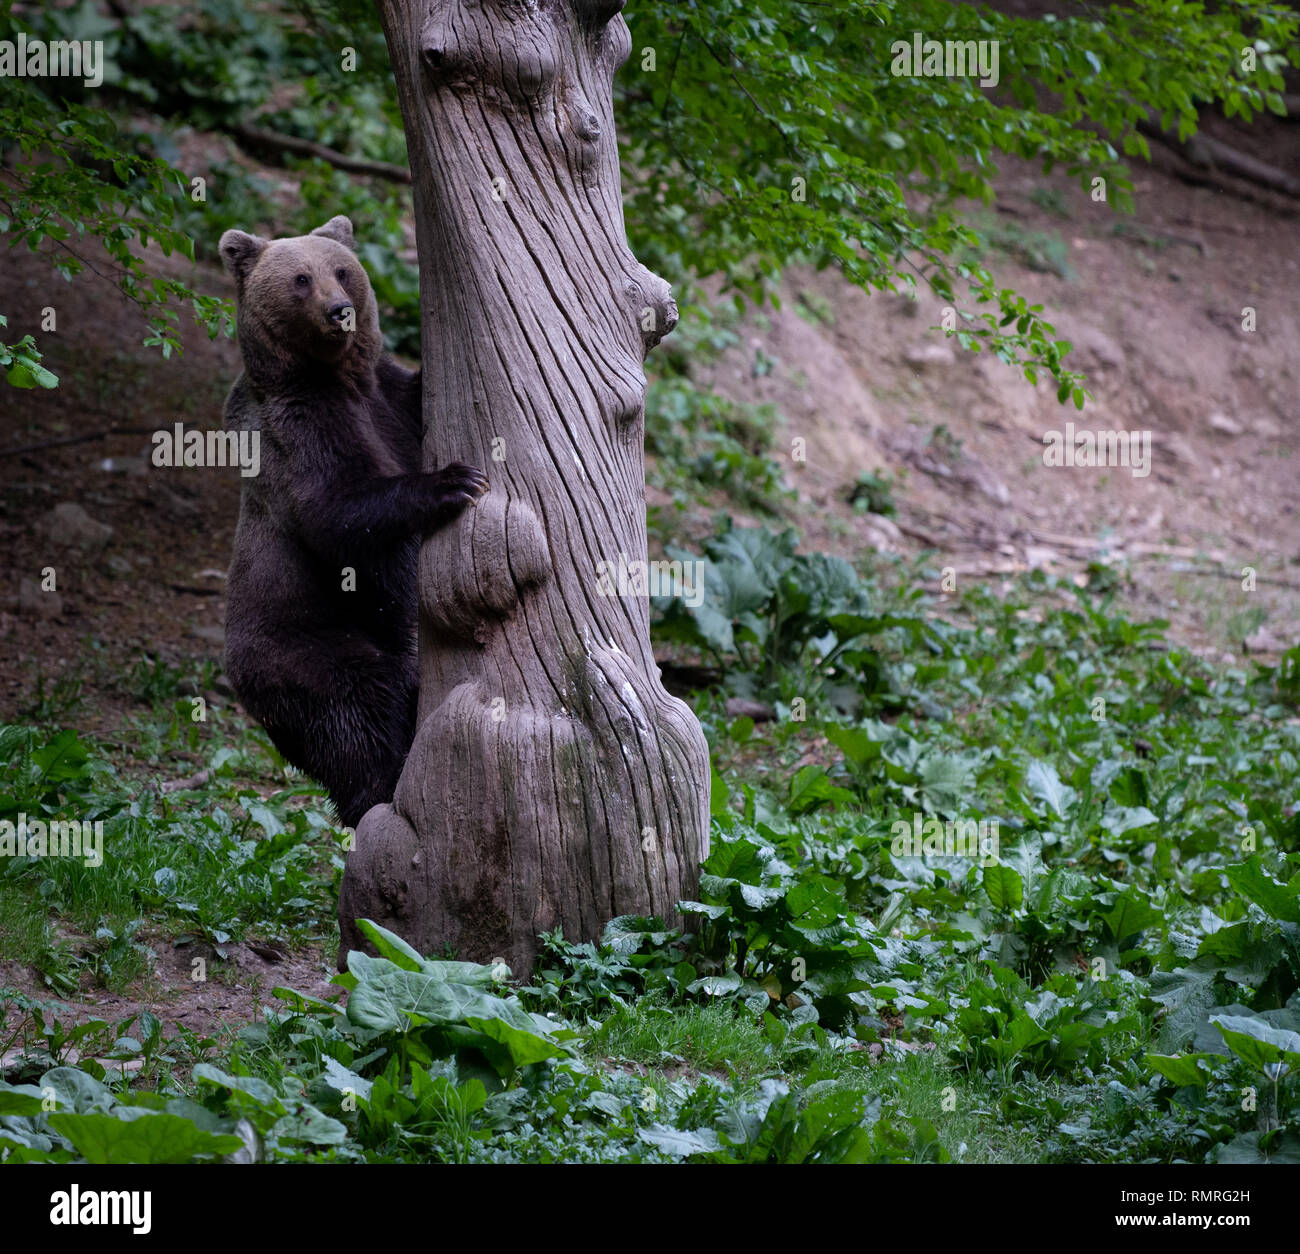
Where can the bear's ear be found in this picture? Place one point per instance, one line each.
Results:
(240, 251)
(339, 229)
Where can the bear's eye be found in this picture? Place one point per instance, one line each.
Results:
(341, 275)
(303, 280)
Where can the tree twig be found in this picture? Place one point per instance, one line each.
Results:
(75, 439)
(256, 138)
(1186, 568)
(197, 780)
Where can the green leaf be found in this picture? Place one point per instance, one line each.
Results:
(1247, 1147)
(339, 1078)
(21, 372)
(24, 1099)
(717, 985)
(1005, 887)
(1129, 787)
(719, 793)
(76, 1091)
(1183, 1070)
(390, 946)
(1025, 857)
(524, 1046)
(1046, 785)
(63, 758)
(811, 787)
(1129, 916)
(1258, 1043)
(627, 933)
(1186, 994)
(946, 780)
(859, 744)
(135, 1135)
(1281, 901)
(265, 817)
(1119, 820)
(308, 1126)
(390, 999)
(698, 907)
(250, 1086)
(680, 1144)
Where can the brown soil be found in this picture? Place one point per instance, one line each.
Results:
(228, 996)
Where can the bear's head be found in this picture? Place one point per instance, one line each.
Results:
(303, 300)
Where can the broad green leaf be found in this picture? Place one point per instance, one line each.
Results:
(811, 787)
(680, 1144)
(1129, 916)
(717, 985)
(259, 1090)
(20, 1099)
(390, 946)
(858, 744)
(524, 1046)
(698, 907)
(390, 999)
(1186, 994)
(1258, 1043)
(1119, 820)
(1245, 1148)
(946, 780)
(1046, 785)
(63, 758)
(265, 817)
(340, 1078)
(1281, 901)
(306, 1125)
(1026, 858)
(629, 932)
(1183, 1069)
(148, 1137)
(1004, 886)
(76, 1091)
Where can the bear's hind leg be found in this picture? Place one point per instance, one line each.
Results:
(367, 759)
(351, 730)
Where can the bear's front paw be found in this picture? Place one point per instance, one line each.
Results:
(454, 487)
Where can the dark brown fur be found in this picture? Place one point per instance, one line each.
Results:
(331, 674)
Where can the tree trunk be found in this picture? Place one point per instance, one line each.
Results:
(553, 781)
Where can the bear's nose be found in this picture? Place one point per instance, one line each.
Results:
(339, 310)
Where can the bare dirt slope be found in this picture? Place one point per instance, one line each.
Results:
(1155, 307)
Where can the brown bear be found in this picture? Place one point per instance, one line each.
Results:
(321, 610)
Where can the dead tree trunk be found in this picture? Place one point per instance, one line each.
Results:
(552, 781)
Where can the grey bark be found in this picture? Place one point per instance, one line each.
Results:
(553, 781)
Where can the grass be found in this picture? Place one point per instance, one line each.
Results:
(965, 1111)
(219, 864)
(1045, 251)
(718, 1038)
(673, 1042)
